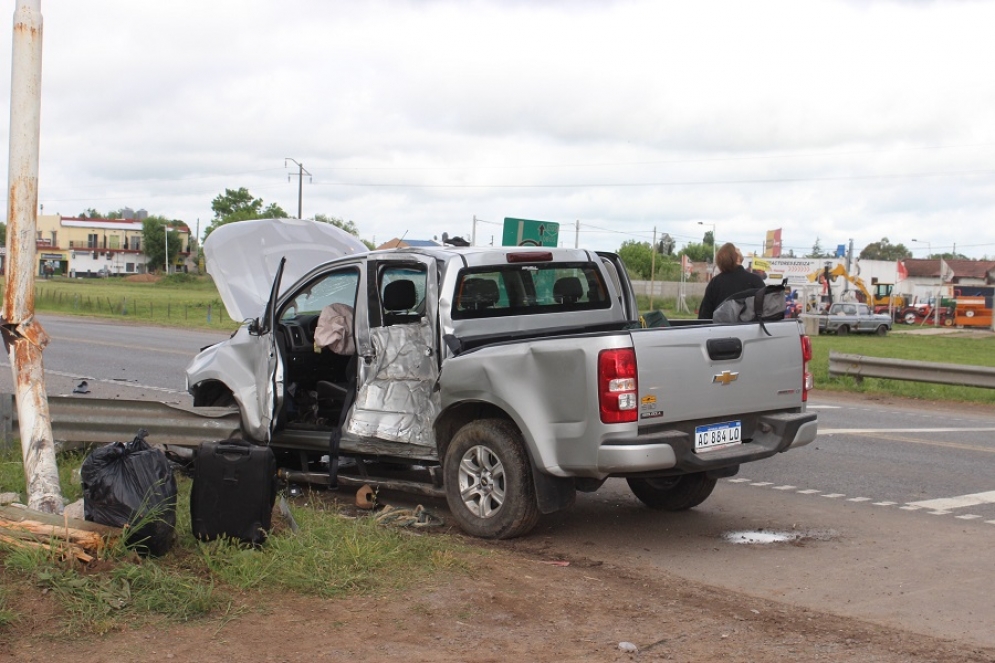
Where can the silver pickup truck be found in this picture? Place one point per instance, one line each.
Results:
(514, 376)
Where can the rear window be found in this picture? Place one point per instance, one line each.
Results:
(527, 289)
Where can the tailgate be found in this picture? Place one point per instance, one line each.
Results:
(712, 371)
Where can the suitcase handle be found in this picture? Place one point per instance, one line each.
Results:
(224, 449)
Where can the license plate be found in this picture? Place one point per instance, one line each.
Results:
(714, 436)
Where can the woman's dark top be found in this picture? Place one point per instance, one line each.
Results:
(725, 285)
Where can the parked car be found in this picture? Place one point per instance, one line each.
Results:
(846, 317)
(516, 375)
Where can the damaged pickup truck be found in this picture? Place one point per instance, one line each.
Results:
(511, 376)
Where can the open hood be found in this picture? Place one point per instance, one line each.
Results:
(243, 257)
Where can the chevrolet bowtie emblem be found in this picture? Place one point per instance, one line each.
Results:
(725, 377)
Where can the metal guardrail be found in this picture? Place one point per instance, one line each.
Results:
(78, 420)
(859, 367)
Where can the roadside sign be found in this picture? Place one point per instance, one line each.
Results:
(525, 232)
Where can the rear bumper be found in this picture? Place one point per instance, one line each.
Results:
(672, 451)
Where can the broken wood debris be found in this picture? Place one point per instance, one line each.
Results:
(21, 527)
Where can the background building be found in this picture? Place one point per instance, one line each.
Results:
(96, 247)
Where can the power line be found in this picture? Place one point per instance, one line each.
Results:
(778, 180)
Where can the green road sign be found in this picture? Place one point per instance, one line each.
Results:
(523, 232)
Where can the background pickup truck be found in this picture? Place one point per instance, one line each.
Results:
(508, 378)
(846, 317)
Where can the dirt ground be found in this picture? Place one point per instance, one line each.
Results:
(525, 600)
(522, 601)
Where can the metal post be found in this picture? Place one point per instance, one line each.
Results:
(300, 184)
(166, 248)
(24, 337)
(473, 233)
(653, 268)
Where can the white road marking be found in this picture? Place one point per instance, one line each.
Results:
(871, 431)
(116, 383)
(959, 502)
(937, 507)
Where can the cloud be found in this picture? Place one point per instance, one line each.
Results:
(834, 120)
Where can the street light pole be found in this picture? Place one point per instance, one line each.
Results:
(929, 248)
(300, 183)
(166, 248)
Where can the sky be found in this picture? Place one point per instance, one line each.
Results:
(833, 121)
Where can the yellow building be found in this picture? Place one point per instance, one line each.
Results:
(97, 247)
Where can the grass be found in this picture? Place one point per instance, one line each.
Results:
(330, 556)
(967, 348)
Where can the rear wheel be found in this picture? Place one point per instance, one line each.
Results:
(842, 330)
(673, 493)
(488, 481)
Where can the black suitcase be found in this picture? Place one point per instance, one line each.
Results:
(234, 489)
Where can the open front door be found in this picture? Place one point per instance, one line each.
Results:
(268, 367)
(398, 352)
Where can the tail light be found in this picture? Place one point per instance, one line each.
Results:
(808, 382)
(617, 394)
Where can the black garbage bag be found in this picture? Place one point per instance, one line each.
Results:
(132, 485)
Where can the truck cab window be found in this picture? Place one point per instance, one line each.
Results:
(402, 294)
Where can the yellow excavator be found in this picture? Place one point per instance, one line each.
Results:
(881, 300)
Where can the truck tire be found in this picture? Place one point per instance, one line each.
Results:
(882, 330)
(488, 480)
(842, 330)
(673, 493)
(911, 318)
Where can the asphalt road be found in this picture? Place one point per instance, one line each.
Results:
(116, 360)
(888, 516)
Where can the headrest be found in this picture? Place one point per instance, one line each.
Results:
(567, 290)
(399, 296)
(478, 294)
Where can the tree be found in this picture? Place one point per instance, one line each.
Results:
(154, 241)
(666, 245)
(885, 250)
(817, 251)
(347, 226)
(239, 205)
(698, 252)
(637, 257)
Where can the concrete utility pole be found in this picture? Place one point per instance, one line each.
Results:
(23, 337)
(300, 183)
